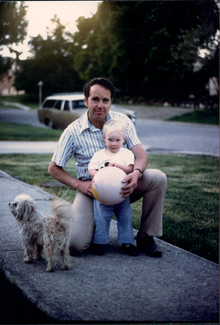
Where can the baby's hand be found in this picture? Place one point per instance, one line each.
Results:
(112, 164)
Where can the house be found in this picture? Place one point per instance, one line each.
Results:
(7, 81)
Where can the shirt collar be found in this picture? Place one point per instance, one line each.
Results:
(108, 117)
(86, 123)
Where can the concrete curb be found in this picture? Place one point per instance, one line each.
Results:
(23, 107)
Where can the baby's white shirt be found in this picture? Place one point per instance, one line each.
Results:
(100, 159)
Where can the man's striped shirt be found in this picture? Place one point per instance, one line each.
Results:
(81, 140)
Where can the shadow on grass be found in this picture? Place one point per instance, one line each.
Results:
(197, 240)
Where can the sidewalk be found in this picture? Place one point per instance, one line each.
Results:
(27, 147)
(48, 147)
(179, 287)
(18, 105)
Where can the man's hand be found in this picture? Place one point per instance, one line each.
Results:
(62, 176)
(85, 188)
(132, 180)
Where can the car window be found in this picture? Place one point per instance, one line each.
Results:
(58, 104)
(66, 106)
(78, 104)
(49, 103)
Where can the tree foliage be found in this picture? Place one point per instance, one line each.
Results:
(12, 22)
(146, 47)
(5, 64)
(12, 29)
(52, 64)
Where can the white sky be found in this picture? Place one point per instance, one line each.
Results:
(40, 13)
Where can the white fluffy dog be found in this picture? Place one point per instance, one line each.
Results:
(38, 232)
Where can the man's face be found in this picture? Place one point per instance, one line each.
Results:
(98, 103)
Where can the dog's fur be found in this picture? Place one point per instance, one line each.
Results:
(38, 232)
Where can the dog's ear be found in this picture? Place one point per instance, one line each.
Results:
(29, 207)
(26, 209)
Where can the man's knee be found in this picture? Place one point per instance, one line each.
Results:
(79, 245)
(156, 176)
(161, 179)
(80, 237)
(76, 247)
(82, 227)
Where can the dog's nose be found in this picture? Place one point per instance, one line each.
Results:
(9, 204)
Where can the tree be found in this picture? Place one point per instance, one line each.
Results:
(12, 29)
(5, 64)
(52, 63)
(188, 26)
(12, 23)
(145, 47)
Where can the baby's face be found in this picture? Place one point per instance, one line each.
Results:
(114, 141)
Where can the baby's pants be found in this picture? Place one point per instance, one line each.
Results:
(102, 217)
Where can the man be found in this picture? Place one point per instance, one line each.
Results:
(82, 139)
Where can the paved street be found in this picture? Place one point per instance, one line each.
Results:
(155, 135)
(20, 117)
(161, 136)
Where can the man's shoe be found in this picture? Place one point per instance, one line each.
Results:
(98, 249)
(148, 245)
(129, 249)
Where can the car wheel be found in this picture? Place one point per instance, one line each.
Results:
(49, 123)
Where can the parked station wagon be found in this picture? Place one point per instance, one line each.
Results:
(59, 110)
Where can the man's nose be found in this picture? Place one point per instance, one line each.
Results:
(100, 103)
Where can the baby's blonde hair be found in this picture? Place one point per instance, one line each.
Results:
(114, 125)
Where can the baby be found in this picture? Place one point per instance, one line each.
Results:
(114, 134)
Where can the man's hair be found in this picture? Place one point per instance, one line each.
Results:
(99, 81)
(114, 125)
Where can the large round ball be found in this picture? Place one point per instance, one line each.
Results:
(107, 184)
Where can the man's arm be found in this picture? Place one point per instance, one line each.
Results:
(62, 176)
(141, 161)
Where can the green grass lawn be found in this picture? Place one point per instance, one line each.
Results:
(205, 117)
(191, 206)
(19, 132)
(22, 99)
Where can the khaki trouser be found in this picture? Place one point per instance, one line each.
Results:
(151, 186)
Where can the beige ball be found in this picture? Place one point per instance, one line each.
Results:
(107, 184)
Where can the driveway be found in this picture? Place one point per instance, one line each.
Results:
(20, 116)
